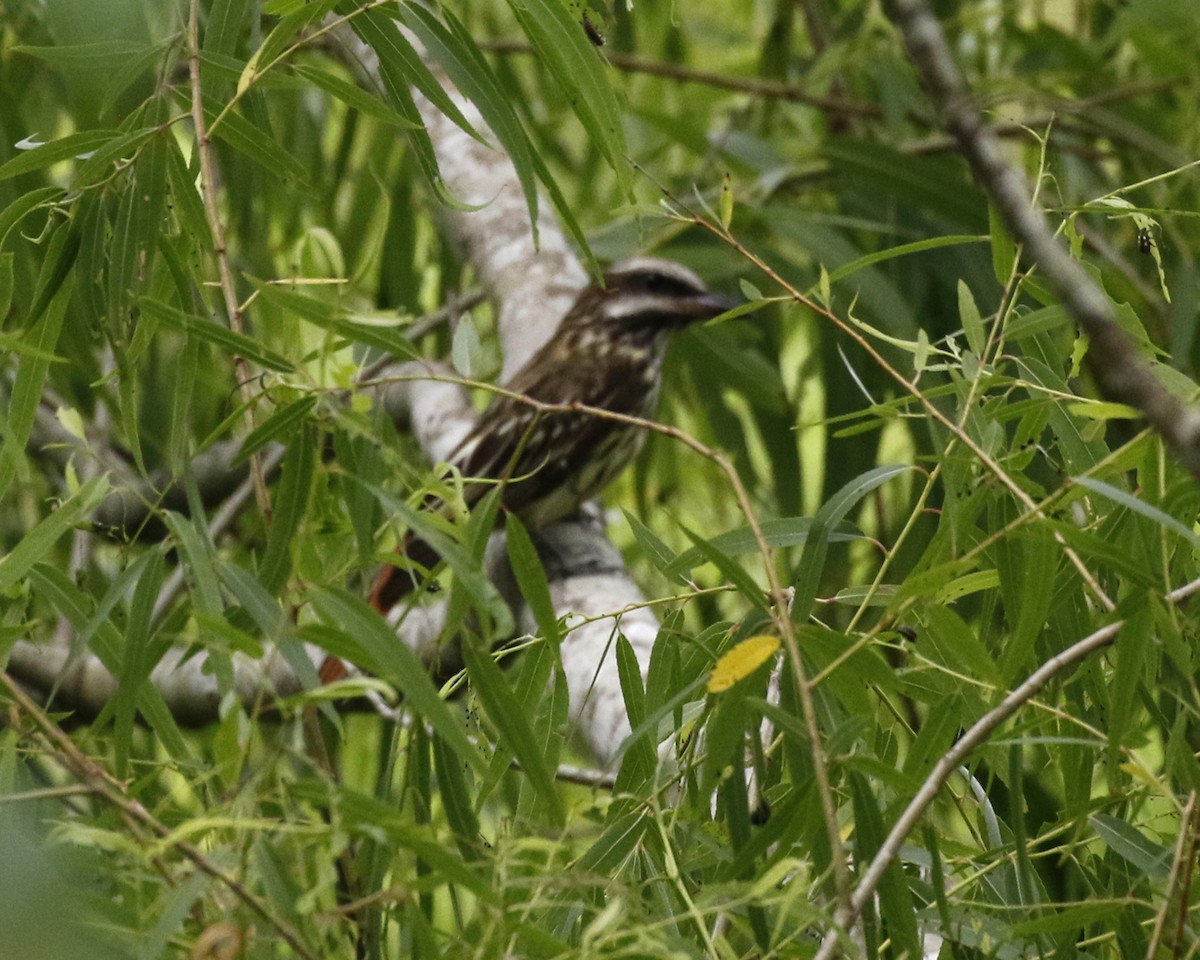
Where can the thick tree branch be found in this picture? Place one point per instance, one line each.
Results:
(1112, 357)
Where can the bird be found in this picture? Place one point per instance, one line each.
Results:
(607, 354)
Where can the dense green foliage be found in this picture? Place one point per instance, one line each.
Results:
(1027, 516)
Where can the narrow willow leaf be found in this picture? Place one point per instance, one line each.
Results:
(6, 286)
(290, 502)
(1099, 410)
(73, 145)
(1128, 500)
(564, 50)
(353, 96)
(31, 374)
(455, 796)
(617, 842)
(455, 50)
(279, 427)
(637, 764)
(531, 578)
(330, 317)
(734, 572)
(658, 552)
(198, 557)
(778, 532)
(147, 572)
(1149, 858)
(25, 204)
(967, 584)
(253, 142)
(392, 660)
(231, 342)
(136, 231)
(512, 726)
(832, 513)
(396, 58)
(1032, 323)
(47, 532)
(1028, 582)
(741, 661)
(904, 250)
(225, 26)
(1004, 251)
(895, 902)
(971, 319)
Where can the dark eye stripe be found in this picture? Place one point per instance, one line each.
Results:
(659, 283)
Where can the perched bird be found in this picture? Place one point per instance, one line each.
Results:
(607, 353)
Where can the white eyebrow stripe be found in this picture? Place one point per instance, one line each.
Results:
(626, 305)
(670, 268)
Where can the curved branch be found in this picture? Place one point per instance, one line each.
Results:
(1112, 356)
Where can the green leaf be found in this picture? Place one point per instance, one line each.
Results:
(65, 148)
(330, 317)
(904, 250)
(1131, 502)
(778, 532)
(1004, 251)
(638, 763)
(463, 62)
(531, 578)
(278, 427)
(225, 26)
(896, 908)
(972, 322)
(252, 141)
(732, 571)
(47, 532)
(512, 726)
(235, 344)
(1147, 857)
(25, 204)
(1028, 572)
(198, 557)
(398, 67)
(353, 96)
(617, 842)
(289, 506)
(31, 374)
(816, 546)
(563, 49)
(386, 655)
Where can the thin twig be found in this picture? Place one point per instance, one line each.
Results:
(102, 784)
(1114, 362)
(208, 184)
(912, 388)
(1178, 880)
(955, 757)
(771, 89)
(779, 599)
(946, 765)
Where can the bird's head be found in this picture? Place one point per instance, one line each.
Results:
(648, 292)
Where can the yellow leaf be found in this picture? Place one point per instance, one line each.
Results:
(741, 661)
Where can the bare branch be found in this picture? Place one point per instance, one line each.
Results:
(1111, 354)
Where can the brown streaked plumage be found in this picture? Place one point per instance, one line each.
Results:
(606, 353)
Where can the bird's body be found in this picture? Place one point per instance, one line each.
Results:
(606, 354)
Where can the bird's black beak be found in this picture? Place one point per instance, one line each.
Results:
(705, 306)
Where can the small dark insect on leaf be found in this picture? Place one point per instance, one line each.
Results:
(1145, 242)
(593, 32)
